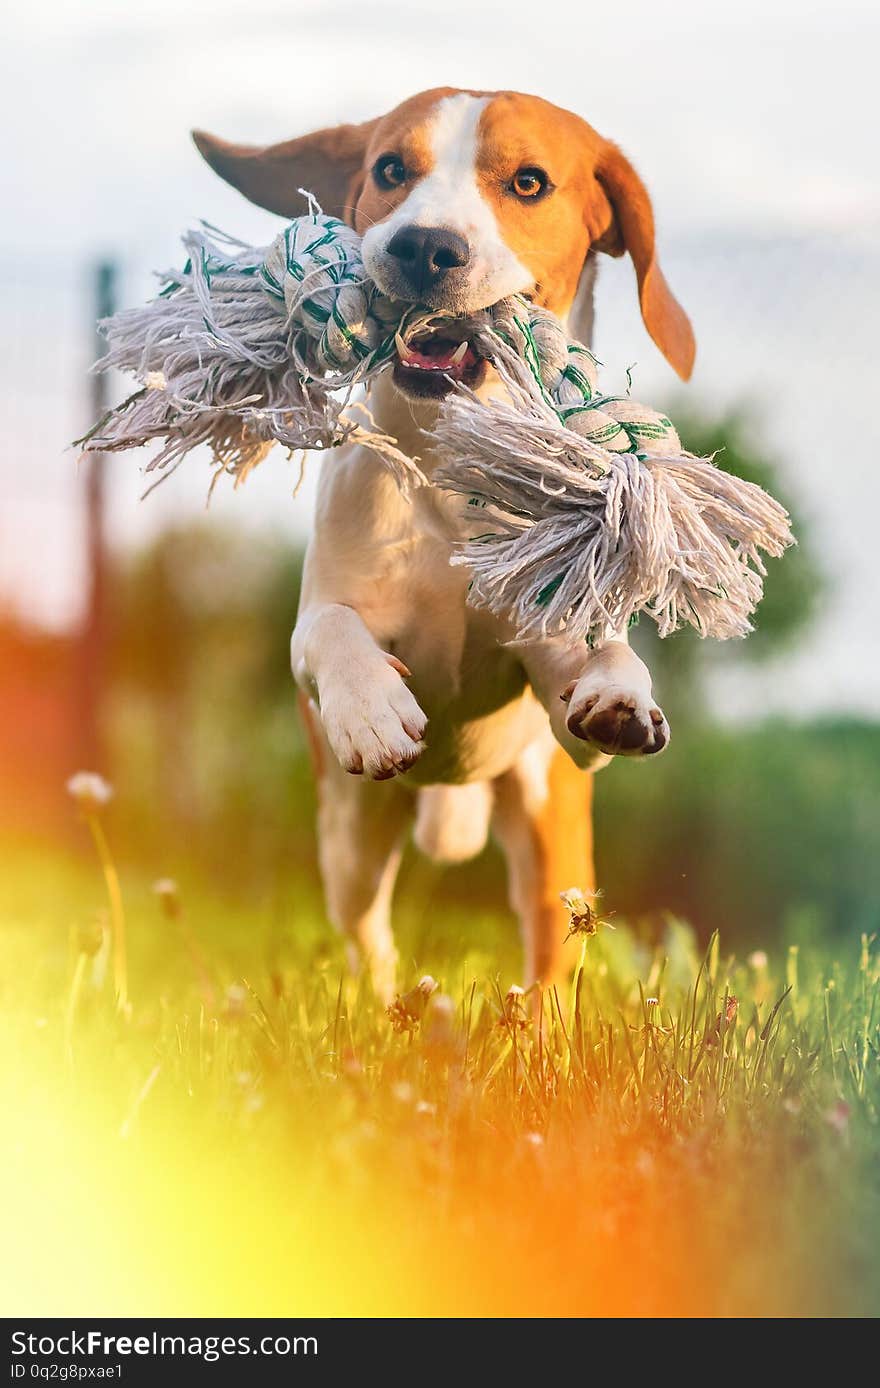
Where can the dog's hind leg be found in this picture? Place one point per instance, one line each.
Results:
(543, 821)
(452, 822)
(362, 826)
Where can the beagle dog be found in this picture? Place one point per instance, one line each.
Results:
(420, 710)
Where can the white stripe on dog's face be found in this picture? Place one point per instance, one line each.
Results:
(446, 197)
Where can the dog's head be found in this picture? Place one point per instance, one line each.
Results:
(463, 198)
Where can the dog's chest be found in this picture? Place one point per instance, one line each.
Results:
(481, 712)
(418, 609)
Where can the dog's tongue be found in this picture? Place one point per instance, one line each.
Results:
(437, 354)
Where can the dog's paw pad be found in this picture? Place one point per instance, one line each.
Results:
(617, 722)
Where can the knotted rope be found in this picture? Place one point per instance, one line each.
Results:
(589, 510)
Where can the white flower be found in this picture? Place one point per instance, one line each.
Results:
(758, 960)
(90, 790)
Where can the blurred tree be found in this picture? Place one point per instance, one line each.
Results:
(205, 731)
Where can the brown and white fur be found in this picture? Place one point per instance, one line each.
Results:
(420, 711)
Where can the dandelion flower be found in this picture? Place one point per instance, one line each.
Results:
(407, 1010)
(582, 918)
(651, 1028)
(90, 791)
(513, 1013)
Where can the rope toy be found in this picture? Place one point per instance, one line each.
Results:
(586, 511)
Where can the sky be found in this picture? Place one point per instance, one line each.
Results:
(754, 127)
(747, 114)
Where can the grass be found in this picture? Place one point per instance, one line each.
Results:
(252, 1135)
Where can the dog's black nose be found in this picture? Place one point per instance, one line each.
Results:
(427, 253)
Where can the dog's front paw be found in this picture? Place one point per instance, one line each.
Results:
(373, 723)
(617, 720)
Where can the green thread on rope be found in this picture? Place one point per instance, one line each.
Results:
(579, 380)
(546, 593)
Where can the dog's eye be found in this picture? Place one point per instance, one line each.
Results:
(389, 171)
(529, 183)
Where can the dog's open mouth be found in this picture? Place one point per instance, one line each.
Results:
(433, 362)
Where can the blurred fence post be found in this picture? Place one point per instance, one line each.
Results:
(94, 634)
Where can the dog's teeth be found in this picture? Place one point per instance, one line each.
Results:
(402, 350)
(459, 354)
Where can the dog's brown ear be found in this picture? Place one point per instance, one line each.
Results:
(328, 163)
(632, 230)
